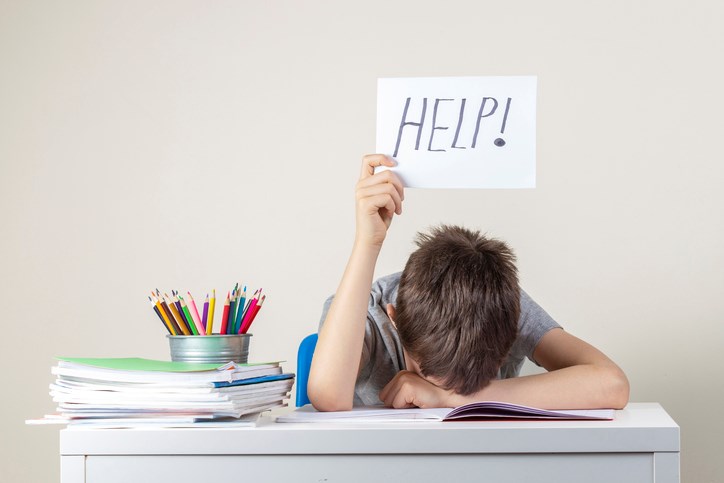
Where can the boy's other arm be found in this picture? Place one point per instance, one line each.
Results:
(336, 360)
(580, 377)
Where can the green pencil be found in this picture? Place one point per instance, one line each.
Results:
(189, 319)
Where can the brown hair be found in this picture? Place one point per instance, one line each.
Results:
(458, 305)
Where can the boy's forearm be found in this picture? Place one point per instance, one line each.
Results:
(339, 348)
(576, 387)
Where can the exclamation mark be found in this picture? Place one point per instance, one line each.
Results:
(500, 142)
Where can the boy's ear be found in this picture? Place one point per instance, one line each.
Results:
(391, 313)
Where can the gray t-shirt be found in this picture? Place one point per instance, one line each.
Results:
(382, 355)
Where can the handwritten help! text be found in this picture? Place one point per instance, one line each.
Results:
(487, 108)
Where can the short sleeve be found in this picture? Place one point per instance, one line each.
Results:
(382, 354)
(533, 325)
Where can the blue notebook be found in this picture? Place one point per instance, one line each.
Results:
(254, 380)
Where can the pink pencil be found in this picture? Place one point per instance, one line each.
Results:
(249, 311)
(195, 315)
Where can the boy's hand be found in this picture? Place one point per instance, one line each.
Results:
(379, 196)
(407, 390)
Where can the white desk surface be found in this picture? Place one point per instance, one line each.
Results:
(639, 428)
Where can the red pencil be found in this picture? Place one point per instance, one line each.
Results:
(247, 312)
(253, 314)
(225, 316)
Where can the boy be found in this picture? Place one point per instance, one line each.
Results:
(453, 328)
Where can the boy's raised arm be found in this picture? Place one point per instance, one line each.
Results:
(337, 357)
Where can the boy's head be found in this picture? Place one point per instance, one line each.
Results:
(457, 307)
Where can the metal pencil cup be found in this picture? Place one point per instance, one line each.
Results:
(210, 349)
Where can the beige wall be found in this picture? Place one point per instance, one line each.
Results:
(188, 145)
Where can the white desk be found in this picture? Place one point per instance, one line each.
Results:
(641, 445)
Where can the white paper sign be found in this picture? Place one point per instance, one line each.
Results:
(459, 132)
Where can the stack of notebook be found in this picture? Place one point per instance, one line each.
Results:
(134, 392)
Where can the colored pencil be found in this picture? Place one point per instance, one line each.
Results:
(180, 310)
(235, 306)
(239, 312)
(195, 315)
(157, 309)
(170, 317)
(212, 304)
(179, 320)
(256, 311)
(239, 305)
(189, 319)
(232, 308)
(257, 294)
(167, 321)
(181, 316)
(247, 312)
(246, 327)
(205, 316)
(225, 316)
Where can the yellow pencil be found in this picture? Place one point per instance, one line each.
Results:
(212, 303)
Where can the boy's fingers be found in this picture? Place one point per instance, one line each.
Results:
(393, 394)
(384, 391)
(371, 161)
(389, 397)
(375, 205)
(387, 202)
(382, 178)
(400, 396)
(381, 196)
(388, 388)
(402, 401)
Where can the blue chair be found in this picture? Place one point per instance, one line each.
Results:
(304, 362)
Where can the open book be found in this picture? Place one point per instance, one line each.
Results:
(479, 411)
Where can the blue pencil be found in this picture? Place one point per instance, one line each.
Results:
(239, 312)
(232, 305)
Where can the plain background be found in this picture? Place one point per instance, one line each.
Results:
(191, 145)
